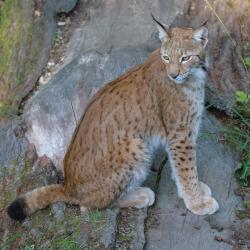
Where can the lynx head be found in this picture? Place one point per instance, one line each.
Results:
(181, 51)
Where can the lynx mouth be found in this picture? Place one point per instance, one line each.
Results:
(180, 78)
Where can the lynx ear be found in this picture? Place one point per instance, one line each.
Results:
(162, 28)
(200, 35)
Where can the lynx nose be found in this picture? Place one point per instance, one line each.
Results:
(174, 75)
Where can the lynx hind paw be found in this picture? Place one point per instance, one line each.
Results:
(205, 189)
(206, 205)
(146, 198)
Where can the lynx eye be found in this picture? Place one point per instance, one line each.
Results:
(166, 58)
(185, 58)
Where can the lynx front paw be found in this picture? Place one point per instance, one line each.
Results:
(205, 189)
(206, 205)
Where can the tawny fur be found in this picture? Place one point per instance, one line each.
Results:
(159, 102)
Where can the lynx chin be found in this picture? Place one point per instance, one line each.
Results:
(110, 154)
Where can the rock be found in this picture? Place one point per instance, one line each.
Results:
(25, 47)
(131, 229)
(61, 23)
(58, 209)
(98, 229)
(14, 145)
(31, 155)
(51, 64)
(108, 235)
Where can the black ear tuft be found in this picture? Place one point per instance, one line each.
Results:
(16, 211)
(160, 24)
(162, 28)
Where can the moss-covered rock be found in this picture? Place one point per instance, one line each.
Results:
(27, 28)
(11, 20)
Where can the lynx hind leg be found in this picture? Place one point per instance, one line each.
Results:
(140, 198)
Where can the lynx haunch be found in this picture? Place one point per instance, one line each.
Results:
(159, 102)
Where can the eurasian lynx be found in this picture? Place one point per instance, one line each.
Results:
(159, 102)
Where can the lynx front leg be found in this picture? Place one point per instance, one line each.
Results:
(196, 195)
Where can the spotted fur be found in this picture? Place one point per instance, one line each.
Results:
(159, 102)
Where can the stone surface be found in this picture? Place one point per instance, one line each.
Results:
(171, 226)
(131, 229)
(108, 234)
(26, 36)
(14, 145)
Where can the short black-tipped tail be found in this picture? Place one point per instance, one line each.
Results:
(16, 210)
(36, 199)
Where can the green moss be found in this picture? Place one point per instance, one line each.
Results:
(94, 216)
(6, 44)
(31, 247)
(11, 20)
(16, 32)
(7, 110)
(10, 30)
(43, 231)
(125, 237)
(67, 244)
(247, 61)
(94, 244)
